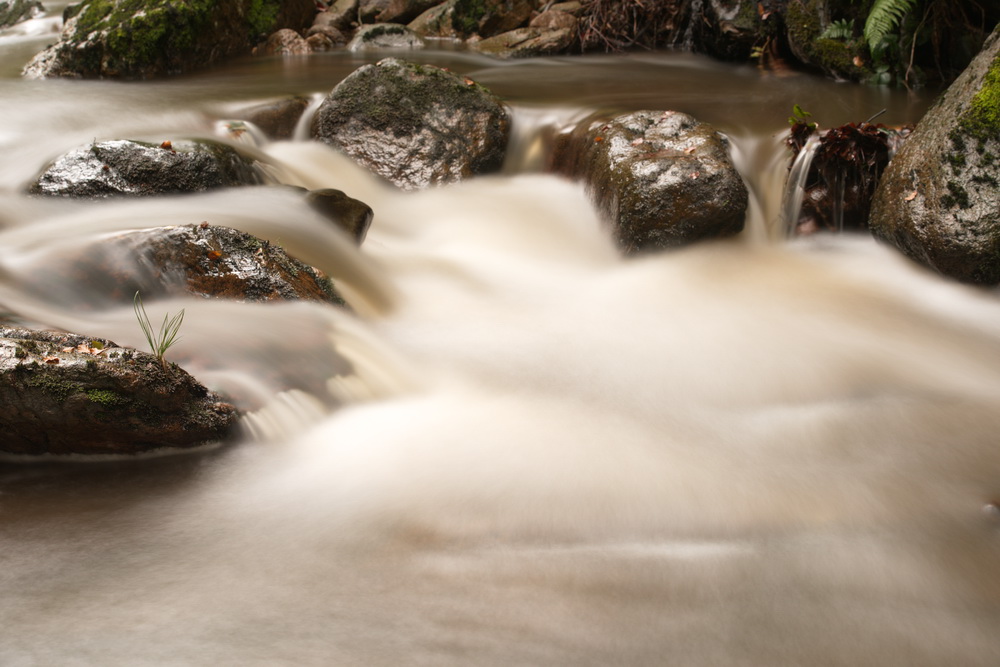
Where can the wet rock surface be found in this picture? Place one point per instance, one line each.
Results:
(142, 40)
(661, 179)
(198, 259)
(939, 198)
(71, 394)
(414, 125)
(135, 168)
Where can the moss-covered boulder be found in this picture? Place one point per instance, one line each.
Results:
(436, 22)
(135, 168)
(806, 24)
(415, 125)
(15, 11)
(939, 198)
(71, 394)
(660, 179)
(385, 36)
(141, 39)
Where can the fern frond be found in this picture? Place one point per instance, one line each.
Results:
(841, 29)
(883, 18)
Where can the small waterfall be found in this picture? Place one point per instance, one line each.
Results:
(791, 200)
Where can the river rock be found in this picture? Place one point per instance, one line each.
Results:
(70, 394)
(141, 40)
(15, 11)
(415, 125)
(487, 18)
(385, 36)
(277, 119)
(136, 168)
(286, 42)
(351, 215)
(341, 15)
(436, 22)
(201, 259)
(661, 179)
(939, 199)
(528, 42)
(393, 11)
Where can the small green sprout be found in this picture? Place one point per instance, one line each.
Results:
(158, 343)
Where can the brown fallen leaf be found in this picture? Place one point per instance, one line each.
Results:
(51, 360)
(911, 196)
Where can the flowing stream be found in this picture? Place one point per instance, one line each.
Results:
(529, 450)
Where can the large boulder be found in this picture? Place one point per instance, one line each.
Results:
(135, 168)
(660, 178)
(415, 125)
(71, 394)
(200, 260)
(130, 39)
(939, 198)
(15, 11)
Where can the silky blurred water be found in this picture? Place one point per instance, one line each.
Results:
(525, 449)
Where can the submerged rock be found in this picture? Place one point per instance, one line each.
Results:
(661, 179)
(141, 40)
(198, 259)
(415, 125)
(939, 198)
(70, 394)
(136, 168)
(351, 215)
(15, 11)
(277, 119)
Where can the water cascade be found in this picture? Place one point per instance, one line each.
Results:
(525, 448)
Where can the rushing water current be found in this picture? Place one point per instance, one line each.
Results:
(754, 452)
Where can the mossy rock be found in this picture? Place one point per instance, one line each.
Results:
(939, 199)
(141, 39)
(64, 393)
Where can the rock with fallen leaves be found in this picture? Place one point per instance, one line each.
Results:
(137, 168)
(660, 178)
(200, 259)
(64, 393)
(844, 172)
(939, 199)
(415, 125)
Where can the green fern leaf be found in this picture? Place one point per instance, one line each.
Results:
(883, 18)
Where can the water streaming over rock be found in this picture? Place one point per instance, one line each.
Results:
(523, 449)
